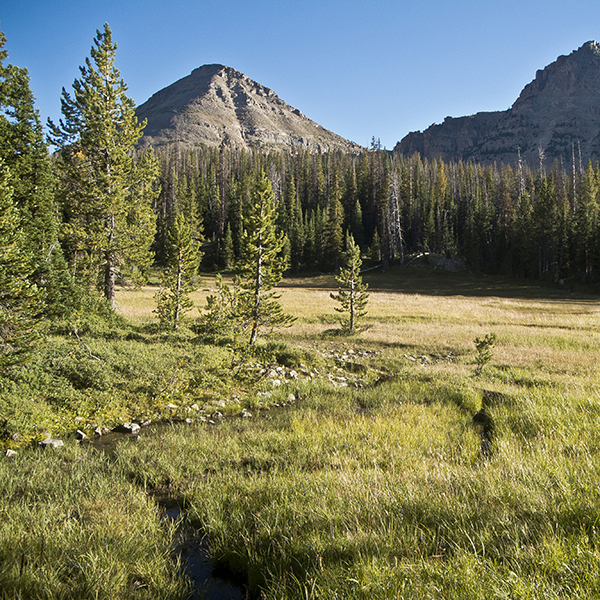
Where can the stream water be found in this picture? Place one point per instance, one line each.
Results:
(192, 547)
(193, 550)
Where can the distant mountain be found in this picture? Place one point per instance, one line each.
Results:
(558, 112)
(217, 105)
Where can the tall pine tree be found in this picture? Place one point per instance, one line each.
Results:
(18, 296)
(24, 152)
(106, 193)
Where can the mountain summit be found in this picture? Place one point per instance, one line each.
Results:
(557, 116)
(216, 105)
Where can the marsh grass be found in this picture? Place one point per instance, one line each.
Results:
(61, 537)
(375, 483)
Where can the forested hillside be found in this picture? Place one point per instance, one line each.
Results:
(504, 219)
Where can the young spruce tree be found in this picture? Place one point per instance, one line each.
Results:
(19, 298)
(183, 259)
(106, 193)
(352, 292)
(262, 264)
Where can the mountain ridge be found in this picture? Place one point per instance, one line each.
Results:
(555, 116)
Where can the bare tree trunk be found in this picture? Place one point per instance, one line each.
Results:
(109, 279)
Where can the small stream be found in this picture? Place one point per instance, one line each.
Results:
(193, 550)
(192, 546)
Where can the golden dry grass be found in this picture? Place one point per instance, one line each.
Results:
(556, 336)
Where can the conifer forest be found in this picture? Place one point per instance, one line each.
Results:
(501, 219)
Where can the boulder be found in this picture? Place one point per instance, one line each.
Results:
(51, 442)
(131, 428)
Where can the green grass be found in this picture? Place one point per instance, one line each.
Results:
(73, 526)
(372, 482)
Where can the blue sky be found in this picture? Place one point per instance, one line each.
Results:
(360, 68)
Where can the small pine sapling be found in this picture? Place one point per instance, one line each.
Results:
(352, 292)
(484, 347)
(221, 316)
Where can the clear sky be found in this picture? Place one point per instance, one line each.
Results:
(360, 68)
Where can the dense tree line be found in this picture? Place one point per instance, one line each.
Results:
(501, 219)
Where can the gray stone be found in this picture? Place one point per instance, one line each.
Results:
(131, 428)
(10, 453)
(51, 442)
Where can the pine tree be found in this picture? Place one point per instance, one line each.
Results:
(222, 316)
(334, 236)
(228, 253)
(352, 292)
(19, 300)
(262, 264)
(587, 219)
(106, 193)
(24, 152)
(183, 258)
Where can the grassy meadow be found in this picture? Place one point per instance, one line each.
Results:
(361, 472)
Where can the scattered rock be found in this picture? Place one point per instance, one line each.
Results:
(131, 428)
(51, 442)
(195, 407)
(10, 453)
(217, 416)
(245, 414)
(171, 406)
(80, 435)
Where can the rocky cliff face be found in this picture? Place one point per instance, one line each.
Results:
(558, 112)
(217, 105)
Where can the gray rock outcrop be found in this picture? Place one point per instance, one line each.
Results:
(558, 113)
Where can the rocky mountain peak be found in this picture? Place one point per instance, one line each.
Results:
(216, 105)
(558, 112)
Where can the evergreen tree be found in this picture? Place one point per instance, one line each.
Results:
(18, 296)
(587, 218)
(375, 251)
(183, 258)
(228, 253)
(262, 264)
(352, 292)
(333, 234)
(106, 194)
(296, 236)
(24, 152)
(222, 316)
